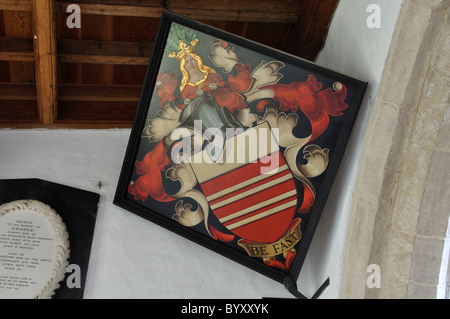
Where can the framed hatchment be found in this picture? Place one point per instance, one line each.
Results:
(235, 145)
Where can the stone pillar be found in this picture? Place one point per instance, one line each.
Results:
(399, 216)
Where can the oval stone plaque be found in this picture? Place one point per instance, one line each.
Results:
(34, 250)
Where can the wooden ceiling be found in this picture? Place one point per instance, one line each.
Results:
(91, 77)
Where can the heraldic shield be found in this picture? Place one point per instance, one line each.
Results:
(252, 192)
(235, 146)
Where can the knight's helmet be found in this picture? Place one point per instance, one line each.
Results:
(204, 106)
(205, 109)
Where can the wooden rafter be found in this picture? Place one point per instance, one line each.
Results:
(16, 49)
(45, 52)
(103, 52)
(283, 11)
(16, 5)
(114, 10)
(73, 92)
(109, 93)
(18, 92)
(308, 35)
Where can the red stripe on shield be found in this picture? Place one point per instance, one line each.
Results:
(242, 174)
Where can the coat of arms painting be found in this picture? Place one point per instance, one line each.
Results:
(236, 142)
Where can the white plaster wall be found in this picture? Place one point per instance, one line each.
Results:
(133, 258)
(354, 49)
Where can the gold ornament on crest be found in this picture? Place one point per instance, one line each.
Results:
(184, 49)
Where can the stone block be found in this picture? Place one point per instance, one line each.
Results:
(421, 291)
(434, 214)
(396, 267)
(410, 54)
(428, 123)
(443, 139)
(427, 260)
(410, 189)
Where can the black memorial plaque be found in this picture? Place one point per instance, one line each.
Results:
(78, 209)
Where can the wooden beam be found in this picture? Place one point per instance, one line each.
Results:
(96, 125)
(103, 52)
(15, 5)
(114, 10)
(283, 11)
(107, 93)
(11, 111)
(45, 52)
(97, 59)
(318, 30)
(72, 92)
(17, 25)
(307, 37)
(96, 112)
(18, 92)
(16, 49)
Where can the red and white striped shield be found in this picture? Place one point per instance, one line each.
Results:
(255, 198)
